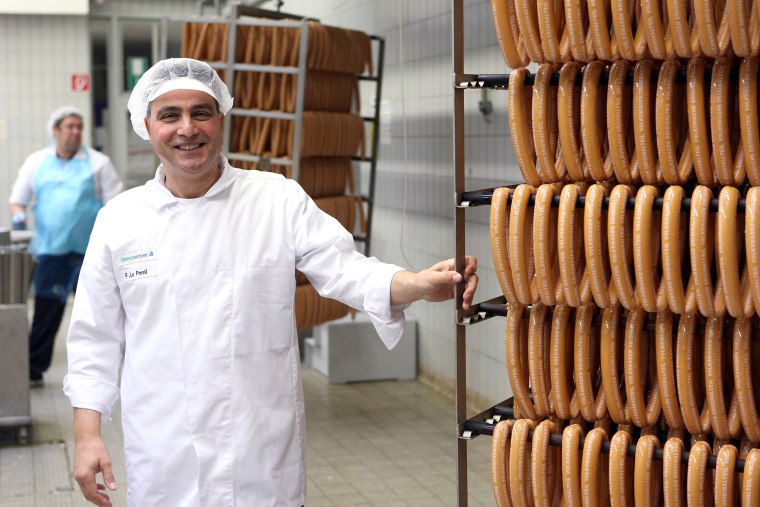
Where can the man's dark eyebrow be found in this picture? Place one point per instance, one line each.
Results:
(175, 109)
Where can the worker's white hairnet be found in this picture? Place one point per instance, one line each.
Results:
(59, 114)
(174, 74)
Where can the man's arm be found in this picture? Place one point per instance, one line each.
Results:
(435, 283)
(91, 457)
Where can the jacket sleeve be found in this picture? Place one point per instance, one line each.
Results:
(326, 254)
(108, 183)
(23, 188)
(95, 343)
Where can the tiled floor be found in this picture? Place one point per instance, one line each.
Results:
(369, 444)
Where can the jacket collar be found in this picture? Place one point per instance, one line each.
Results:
(160, 196)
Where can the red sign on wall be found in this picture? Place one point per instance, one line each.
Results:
(80, 82)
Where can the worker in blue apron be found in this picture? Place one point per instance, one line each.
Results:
(68, 183)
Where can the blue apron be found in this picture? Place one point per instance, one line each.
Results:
(66, 205)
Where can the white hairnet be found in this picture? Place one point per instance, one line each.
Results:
(174, 74)
(59, 114)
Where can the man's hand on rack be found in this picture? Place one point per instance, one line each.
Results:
(435, 283)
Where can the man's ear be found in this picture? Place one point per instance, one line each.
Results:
(147, 125)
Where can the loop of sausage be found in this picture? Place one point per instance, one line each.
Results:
(698, 478)
(620, 238)
(611, 348)
(539, 333)
(689, 370)
(644, 408)
(569, 123)
(508, 32)
(748, 119)
(674, 241)
(593, 123)
(728, 153)
(620, 123)
(563, 390)
(572, 261)
(621, 470)
(520, 245)
(725, 476)
(631, 46)
(647, 472)
(726, 424)
(500, 462)
(594, 470)
(520, 121)
(644, 104)
(702, 246)
(597, 251)
(666, 375)
(571, 465)
(551, 165)
(516, 348)
(670, 112)
(744, 379)
(673, 473)
(751, 479)
(697, 101)
(545, 459)
(646, 251)
(683, 27)
(520, 464)
(587, 357)
(499, 228)
(545, 248)
(712, 27)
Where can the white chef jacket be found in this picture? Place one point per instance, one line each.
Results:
(107, 182)
(197, 298)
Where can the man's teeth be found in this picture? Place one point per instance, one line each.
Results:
(188, 146)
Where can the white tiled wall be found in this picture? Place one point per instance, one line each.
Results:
(38, 54)
(428, 225)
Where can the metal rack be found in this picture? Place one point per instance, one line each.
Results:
(279, 19)
(484, 422)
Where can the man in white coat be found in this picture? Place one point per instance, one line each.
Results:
(188, 287)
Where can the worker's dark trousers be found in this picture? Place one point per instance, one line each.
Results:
(48, 313)
(54, 279)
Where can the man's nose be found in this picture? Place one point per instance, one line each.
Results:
(187, 126)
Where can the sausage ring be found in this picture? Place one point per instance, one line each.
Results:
(621, 470)
(619, 237)
(593, 405)
(520, 121)
(545, 248)
(689, 369)
(644, 411)
(725, 424)
(597, 251)
(571, 464)
(666, 375)
(611, 348)
(538, 359)
(620, 124)
(647, 475)
(594, 470)
(673, 473)
(517, 361)
(563, 392)
(572, 266)
(519, 464)
(500, 462)
(646, 251)
(499, 226)
(744, 381)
